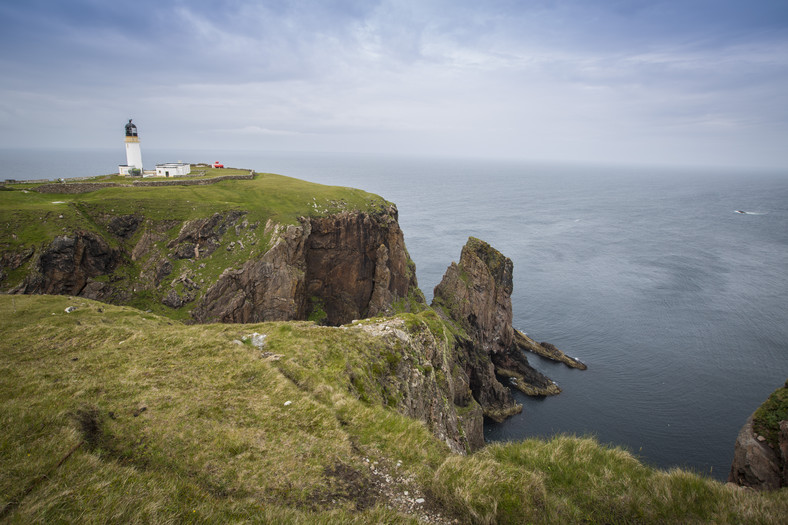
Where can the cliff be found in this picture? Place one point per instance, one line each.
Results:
(120, 414)
(475, 296)
(329, 269)
(306, 252)
(760, 458)
(330, 263)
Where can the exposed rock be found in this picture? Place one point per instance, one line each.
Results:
(187, 251)
(153, 233)
(475, 294)
(173, 300)
(547, 350)
(423, 374)
(99, 291)
(760, 459)
(13, 260)
(123, 226)
(270, 288)
(200, 237)
(163, 270)
(65, 266)
(755, 464)
(353, 265)
(357, 264)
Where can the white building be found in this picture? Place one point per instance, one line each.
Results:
(133, 151)
(173, 169)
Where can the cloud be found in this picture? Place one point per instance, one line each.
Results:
(256, 130)
(546, 79)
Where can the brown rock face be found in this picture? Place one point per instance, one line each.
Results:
(475, 294)
(755, 464)
(760, 459)
(349, 266)
(267, 289)
(357, 265)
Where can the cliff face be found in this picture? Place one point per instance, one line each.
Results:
(67, 265)
(760, 459)
(330, 269)
(475, 294)
(357, 265)
(270, 288)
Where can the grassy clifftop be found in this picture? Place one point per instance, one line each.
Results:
(110, 414)
(27, 216)
(155, 248)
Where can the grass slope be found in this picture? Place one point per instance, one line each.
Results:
(110, 414)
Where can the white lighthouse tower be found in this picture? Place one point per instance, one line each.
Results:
(133, 152)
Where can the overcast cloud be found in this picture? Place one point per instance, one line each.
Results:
(692, 81)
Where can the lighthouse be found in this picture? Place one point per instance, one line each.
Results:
(133, 152)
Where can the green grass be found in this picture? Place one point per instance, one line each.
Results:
(168, 423)
(268, 196)
(766, 420)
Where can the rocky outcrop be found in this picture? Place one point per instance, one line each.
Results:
(424, 382)
(270, 288)
(546, 350)
(331, 269)
(200, 237)
(67, 265)
(760, 459)
(123, 226)
(755, 464)
(475, 294)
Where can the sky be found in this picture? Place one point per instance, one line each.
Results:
(688, 82)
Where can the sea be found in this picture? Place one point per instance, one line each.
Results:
(670, 283)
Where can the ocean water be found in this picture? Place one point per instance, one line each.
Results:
(678, 304)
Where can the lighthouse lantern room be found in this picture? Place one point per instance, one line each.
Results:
(133, 164)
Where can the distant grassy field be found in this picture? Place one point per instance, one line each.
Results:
(110, 414)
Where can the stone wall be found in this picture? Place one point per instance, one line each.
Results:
(87, 187)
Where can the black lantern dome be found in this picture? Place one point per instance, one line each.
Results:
(131, 129)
